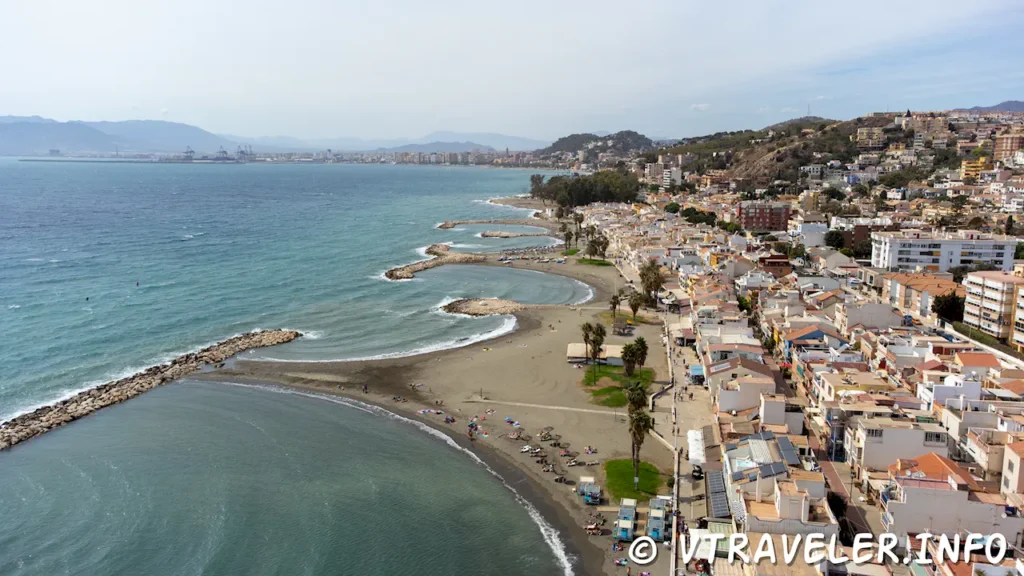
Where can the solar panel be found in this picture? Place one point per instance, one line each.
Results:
(719, 505)
(773, 469)
(737, 475)
(715, 482)
(788, 452)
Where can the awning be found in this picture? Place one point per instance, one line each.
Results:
(697, 370)
(695, 442)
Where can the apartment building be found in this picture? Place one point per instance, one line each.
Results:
(1017, 338)
(874, 444)
(934, 494)
(991, 302)
(763, 216)
(974, 168)
(910, 250)
(912, 294)
(1008, 144)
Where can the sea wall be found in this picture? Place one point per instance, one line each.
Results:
(482, 306)
(538, 222)
(441, 253)
(42, 420)
(500, 234)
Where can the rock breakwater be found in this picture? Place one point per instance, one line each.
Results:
(500, 234)
(42, 420)
(482, 306)
(441, 253)
(538, 222)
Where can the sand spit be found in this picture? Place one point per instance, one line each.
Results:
(482, 306)
(499, 234)
(46, 418)
(441, 253)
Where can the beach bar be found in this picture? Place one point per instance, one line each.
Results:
(624, 530)
(656, 525)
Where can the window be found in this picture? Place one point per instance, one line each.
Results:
(933, 437)
(1006, 482)
(1009, 465)
(874, 432)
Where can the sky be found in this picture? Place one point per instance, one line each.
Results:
(532, 68)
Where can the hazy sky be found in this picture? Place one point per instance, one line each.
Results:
(402, 68)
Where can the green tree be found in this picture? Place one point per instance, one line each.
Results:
(949, 307)
(862, 249)
(848, 252)
(1018, 252)
(641, 351)
(636, 300)
(596, 342)
(568, 235)
(797, 251)
(629, 358)
(650, 277)
(672, 207)
(587, 329)
(1009, 226)
(835, 239)
(744, 303)
(614, 302)
(640, 423)
(834, 194)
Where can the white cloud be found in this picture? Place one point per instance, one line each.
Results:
(700, 107)
(164, 111)
(821, 97)
(789, 110)
(764, 109)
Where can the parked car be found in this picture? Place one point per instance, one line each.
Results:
(697, 473)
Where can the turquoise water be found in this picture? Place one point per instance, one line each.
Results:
(217, 479)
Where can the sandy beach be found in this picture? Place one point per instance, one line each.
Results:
(523, 376)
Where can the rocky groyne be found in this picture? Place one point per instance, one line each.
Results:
(441, 253)
(482, 306)
(547, 224)
(500, 234)
(42, 420)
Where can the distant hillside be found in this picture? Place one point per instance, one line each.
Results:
(1008, 106)
(28, 119)
(620, 142)
(440, 147)
(496, 141)
(753, 154)
(161, 136)
(32, 138)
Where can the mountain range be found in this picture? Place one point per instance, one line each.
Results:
(31, 135)
(1008, 106)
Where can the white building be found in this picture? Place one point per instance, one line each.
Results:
(940, 251)
(877, 443)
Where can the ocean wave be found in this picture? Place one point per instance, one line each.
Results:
(33, 260)
(187, 237)
(548, 532)
(14, 306)
(469, 245)
(507, 326)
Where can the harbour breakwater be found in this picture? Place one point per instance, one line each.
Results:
(482, 306)
(46, 418)
(441, 254)
(500, 234)
(549, 225)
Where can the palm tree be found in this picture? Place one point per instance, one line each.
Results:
(629, 356)
(641, 349)
(636, 300)
(568, 238)
(650, 276)
(577, 217)
(588, 330)
(614, 302)
(640, 423)
(597, 335)
(636, 393)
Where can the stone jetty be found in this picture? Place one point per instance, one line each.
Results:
(538, 222)
(441, 253)
(500, 234)
(42, 420)
(482, 306)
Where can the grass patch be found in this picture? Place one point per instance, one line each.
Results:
(619, 480)
(613, 396)
(572, 252)
(593, 262)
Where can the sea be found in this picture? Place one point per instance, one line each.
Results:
(108, 268)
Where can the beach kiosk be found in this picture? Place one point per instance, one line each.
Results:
(624, 530)
(584, 481)
(656, 525)
(660, 502)
(592, 495)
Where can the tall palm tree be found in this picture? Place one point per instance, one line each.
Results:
(641, 352)
(567, 234)
(577, 217)
(650, 277)
(588, 330)
(629, 355)
(597, 335)
(636, 300)
(636, 394)
(614, 302)
(640, 423)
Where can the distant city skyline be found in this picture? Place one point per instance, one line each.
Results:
(314, 69)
